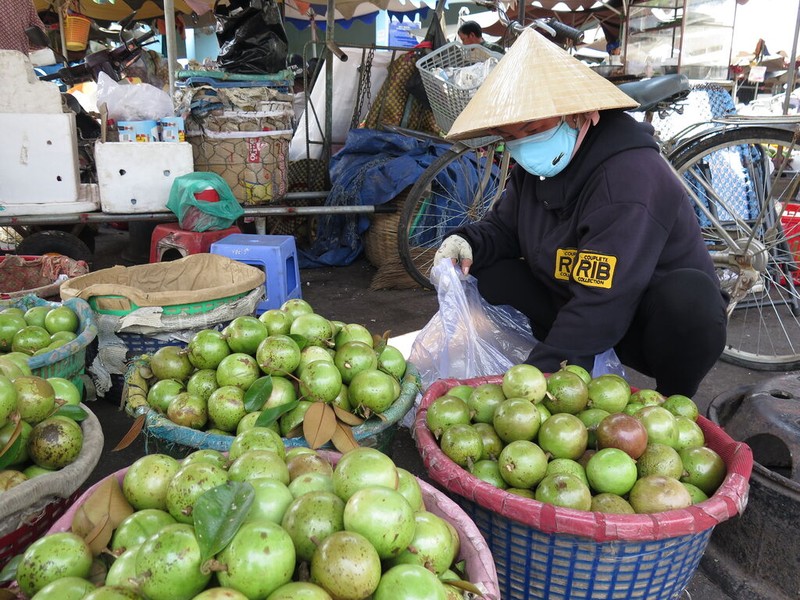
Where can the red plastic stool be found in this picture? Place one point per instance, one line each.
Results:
(169, 238)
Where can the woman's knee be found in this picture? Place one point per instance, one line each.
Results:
(688, 297)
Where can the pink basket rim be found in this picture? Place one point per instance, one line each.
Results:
(474, 550)
(728, 501)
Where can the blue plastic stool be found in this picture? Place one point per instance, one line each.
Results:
(276, 254)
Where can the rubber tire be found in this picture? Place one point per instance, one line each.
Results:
(763, 357)
(418, 260)
(60, 242)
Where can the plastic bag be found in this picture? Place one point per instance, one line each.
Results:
(133, 101)
(202, 215)
(468, 337)
(253, 40)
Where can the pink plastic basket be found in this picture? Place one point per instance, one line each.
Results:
(474, 551)
(544, 551)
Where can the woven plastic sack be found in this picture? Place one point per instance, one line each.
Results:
(23, 502)
(202, 215)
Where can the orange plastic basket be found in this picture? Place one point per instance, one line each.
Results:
(76, 32)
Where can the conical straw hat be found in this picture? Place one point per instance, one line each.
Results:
(535, 80)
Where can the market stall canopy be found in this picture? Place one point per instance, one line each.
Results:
(300, 13)
(145, 9)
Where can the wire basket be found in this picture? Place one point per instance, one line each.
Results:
(544, 551)
(448, 98)
(164, 436)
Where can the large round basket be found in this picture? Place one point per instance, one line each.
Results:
(479, 567)
(67, 361)
(544, 551)
(29, 509)
(164, 436)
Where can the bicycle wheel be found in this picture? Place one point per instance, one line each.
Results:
(745, 180)
(458, 188)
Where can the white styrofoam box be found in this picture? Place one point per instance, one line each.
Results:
(136, 177)
(38, 158)
(21, 91)
(88, 201)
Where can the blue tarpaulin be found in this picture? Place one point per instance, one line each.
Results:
(372, 168)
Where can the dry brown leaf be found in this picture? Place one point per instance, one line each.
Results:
(319, 424)
(96, 519)
(7, 595)
(345, 416)
(132, 434)
(343, 438)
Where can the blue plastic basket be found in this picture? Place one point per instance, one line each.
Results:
(164, 436)
(67, 361)
(546, 552)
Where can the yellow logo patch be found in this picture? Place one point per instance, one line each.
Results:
(587, 268)
(565, 258)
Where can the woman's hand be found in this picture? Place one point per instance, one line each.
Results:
(458, 250)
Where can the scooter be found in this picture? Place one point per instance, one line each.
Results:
(112, 62)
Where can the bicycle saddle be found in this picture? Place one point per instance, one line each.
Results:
(649, 93)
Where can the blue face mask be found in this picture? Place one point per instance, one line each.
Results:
(545, 154)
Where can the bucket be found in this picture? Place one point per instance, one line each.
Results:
(138, 131)
(76, 32)
(172, 129)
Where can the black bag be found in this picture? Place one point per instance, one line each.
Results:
(415, 87)
(253, 40)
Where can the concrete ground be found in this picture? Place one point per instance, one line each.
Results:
(343, 294)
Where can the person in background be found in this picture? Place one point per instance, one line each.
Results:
(595, 239)
(15, 17)
(471, 33)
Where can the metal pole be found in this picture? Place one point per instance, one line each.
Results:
(172, 47)
(792, 68)
(330, 21)
(62, 35)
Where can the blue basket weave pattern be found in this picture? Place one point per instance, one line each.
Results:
(532, 564)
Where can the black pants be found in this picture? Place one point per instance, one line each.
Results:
(677, 333)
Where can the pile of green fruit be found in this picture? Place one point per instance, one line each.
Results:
(36, 330)
(39, 430)
(260, 523)
(290, 369)
(578, 442)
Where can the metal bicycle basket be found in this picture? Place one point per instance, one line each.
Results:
(451, 76)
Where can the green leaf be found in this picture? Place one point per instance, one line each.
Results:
(218, 513)
(76, 413)
(258, 393)
(9, 572)
(270, 415)
(9, 455)
(466, 586)
(301, 340)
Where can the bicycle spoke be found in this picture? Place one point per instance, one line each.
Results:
(456, 190)
(744, 179)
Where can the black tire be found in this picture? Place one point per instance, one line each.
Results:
(458, 188)
(764, 326)
(60, 242)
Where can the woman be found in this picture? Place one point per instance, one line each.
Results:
(594, 239)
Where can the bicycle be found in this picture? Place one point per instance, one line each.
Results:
(756, 256)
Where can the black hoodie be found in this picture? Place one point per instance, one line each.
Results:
(613, 222)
